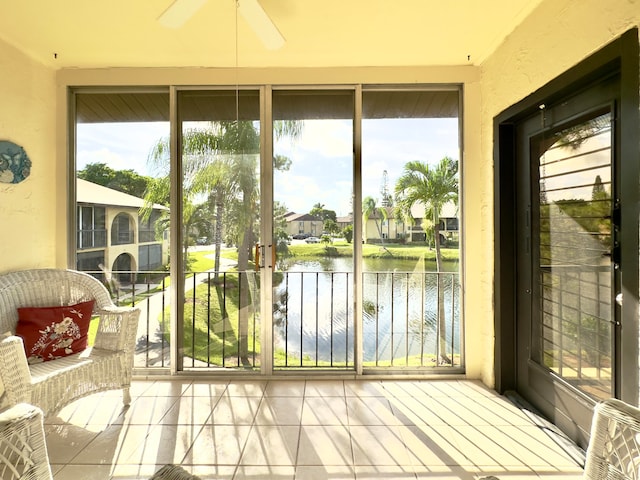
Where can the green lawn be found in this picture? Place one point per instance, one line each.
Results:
(344, 249)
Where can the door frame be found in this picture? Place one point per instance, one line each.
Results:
(622, 55)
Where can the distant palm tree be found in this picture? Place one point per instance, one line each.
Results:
(433, 187)
(371, 209)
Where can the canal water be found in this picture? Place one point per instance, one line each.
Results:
(314, 318)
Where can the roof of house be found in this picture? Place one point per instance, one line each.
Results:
(92, 193)
(302, 217)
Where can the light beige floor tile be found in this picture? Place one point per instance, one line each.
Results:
(279, 411)
(165, 388)
(114, 445)
(271, 445)
(235, 410)
(253, 472)
(456, 388)
(370, 411)
(415, 410)
(324, 445)
(211, 472)
(64, 442)
(427, 472)
(482, 446)
(403, 388)
(324, 388)
(544, 475)
(218, 445)
(146, 411)
(364, 388)
(246, 388)
(529, 446)
(378, 445)
(444, 429)
(451, 412)
(495, 410)
(424, 448)
(138, 387)
(205, 389)
(131, 472)
(380, 472)
(96, 410)
(325, 411)
(325, 472)
(285, 388)
(164, 444)
(190, 410)
(84, 472)
(433, 445)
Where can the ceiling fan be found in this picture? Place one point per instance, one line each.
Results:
(180, 11)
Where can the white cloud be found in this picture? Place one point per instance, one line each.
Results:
(119, 145)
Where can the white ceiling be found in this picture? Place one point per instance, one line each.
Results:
(318, 33)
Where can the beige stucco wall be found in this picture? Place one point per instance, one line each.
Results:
(556, 36)
(27, 118)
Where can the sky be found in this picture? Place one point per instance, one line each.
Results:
(321, 158)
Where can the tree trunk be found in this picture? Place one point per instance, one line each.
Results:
(218, 234)
(443, 358)
(244, 301)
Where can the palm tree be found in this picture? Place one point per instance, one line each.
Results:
(370, 208)
(433, 187)
(221, 163)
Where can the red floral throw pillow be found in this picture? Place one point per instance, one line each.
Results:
(54, 332)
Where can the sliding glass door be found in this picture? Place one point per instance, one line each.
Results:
(219, 139)
(278, 228)
(313, 165)
(410, 228)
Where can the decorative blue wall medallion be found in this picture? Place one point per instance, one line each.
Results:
(15, 166)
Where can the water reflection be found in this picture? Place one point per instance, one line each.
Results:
(313, 314)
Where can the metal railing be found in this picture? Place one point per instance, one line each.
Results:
(409, 320)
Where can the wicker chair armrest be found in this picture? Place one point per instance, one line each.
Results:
(23, 450)
(614, 445)
(117, 328)
(14, 370)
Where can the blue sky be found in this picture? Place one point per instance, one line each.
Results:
(321, 169)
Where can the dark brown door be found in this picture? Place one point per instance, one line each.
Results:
(568, 248)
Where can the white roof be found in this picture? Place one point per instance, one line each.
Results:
(88, 192)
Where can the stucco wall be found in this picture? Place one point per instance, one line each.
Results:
(556, 36)
(27, 118)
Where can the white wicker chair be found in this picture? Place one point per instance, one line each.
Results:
(23, 452)
(614, 446)
(52, 385)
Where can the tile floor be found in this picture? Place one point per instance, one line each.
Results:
(315, 429)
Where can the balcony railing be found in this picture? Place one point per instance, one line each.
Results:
(409, 320)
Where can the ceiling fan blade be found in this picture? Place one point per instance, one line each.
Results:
(179, 12)
(260, 23)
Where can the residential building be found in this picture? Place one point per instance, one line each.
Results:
(112, 233)
(304, 224)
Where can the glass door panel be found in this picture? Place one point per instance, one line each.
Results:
(313, 319)
(121, 231)
(576, 249)
(410, 225)
(220, 138)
